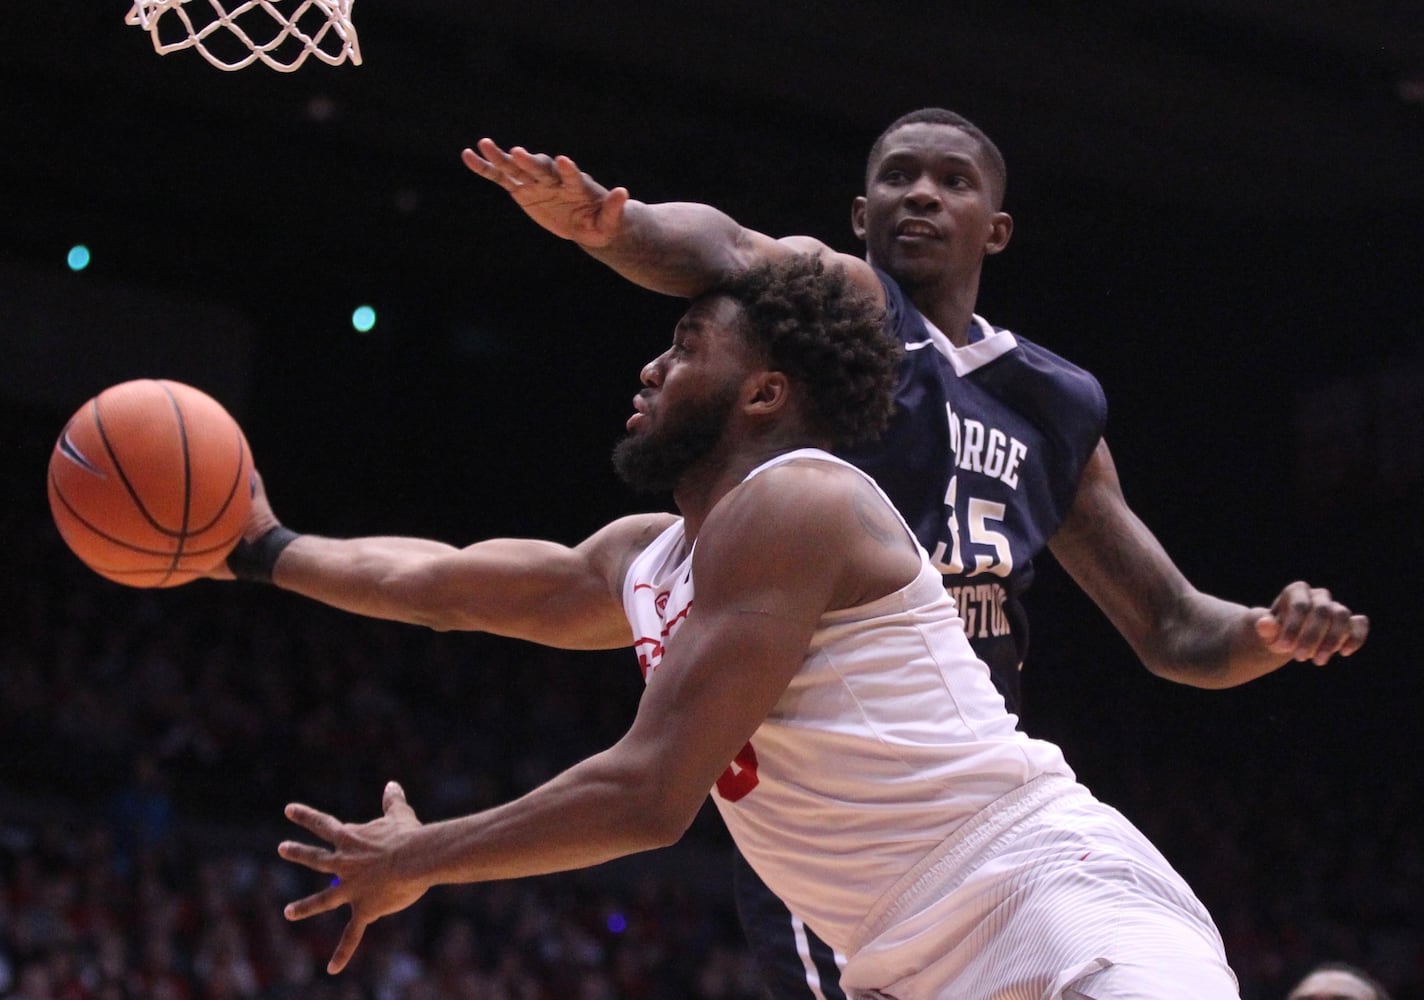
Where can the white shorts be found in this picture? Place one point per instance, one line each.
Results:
(1045, 890)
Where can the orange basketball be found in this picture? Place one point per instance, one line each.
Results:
(150, 483)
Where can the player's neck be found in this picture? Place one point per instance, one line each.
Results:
(953, 323)
(949, 306)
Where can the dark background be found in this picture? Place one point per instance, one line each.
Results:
(1219, 208)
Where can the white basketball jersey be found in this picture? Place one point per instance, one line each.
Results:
(889, 737)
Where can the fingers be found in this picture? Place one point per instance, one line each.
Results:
(348, 860)
(567, 170)
(318, 859)
(393, 802)
(494, 164)
(1306, 624)
(533, 167)
(350, 936)
(324, 901)
(346, 947)
(477, 163)
(518, 167)
(1359, 631)
(490, 162)
(314, 821)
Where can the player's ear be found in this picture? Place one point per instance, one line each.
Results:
(857, 217)
(1001, 229)
(766, 392)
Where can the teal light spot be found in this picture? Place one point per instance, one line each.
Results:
(363, 319)
(78, 257)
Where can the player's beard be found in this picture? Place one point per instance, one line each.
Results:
(655, 461)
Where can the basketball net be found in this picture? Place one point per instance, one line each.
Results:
(232, 34)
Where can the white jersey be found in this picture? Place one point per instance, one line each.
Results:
(891, 802)
(888, 738)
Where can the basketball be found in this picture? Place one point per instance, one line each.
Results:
(150, 483)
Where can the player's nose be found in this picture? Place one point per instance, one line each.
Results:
(922, 192)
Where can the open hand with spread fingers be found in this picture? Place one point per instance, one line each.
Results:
(363, 861)
(553, 192)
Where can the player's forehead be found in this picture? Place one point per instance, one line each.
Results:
(715, 322)
(1332, 985)
(709, 315)
(931, 141)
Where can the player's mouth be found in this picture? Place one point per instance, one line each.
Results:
(917, 229)
(640, 412)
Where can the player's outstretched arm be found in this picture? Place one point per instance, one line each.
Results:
(530, 589)
(772, 558)
(1177, 631)
(676, 248)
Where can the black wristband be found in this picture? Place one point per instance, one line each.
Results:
(255, 560)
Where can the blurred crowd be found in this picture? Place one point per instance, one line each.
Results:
(149, 740)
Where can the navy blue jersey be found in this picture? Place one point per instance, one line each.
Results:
(983, 458)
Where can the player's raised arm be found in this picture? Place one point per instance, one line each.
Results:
(541, 591)
(1177, 631)
(676, 248)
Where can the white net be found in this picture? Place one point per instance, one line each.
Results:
(232, 34)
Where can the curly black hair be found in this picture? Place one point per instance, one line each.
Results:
(825, 334)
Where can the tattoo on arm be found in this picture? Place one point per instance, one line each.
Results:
(875, 516)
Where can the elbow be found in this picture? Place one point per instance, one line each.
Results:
(1178, 643)
(1205, 675)
(663, 820)
(1203, 644)
(664, 834)
(428, 615)
(656, 811)
(1199, 658)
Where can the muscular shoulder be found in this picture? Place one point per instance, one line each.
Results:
(811, 524)
(802, 492)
